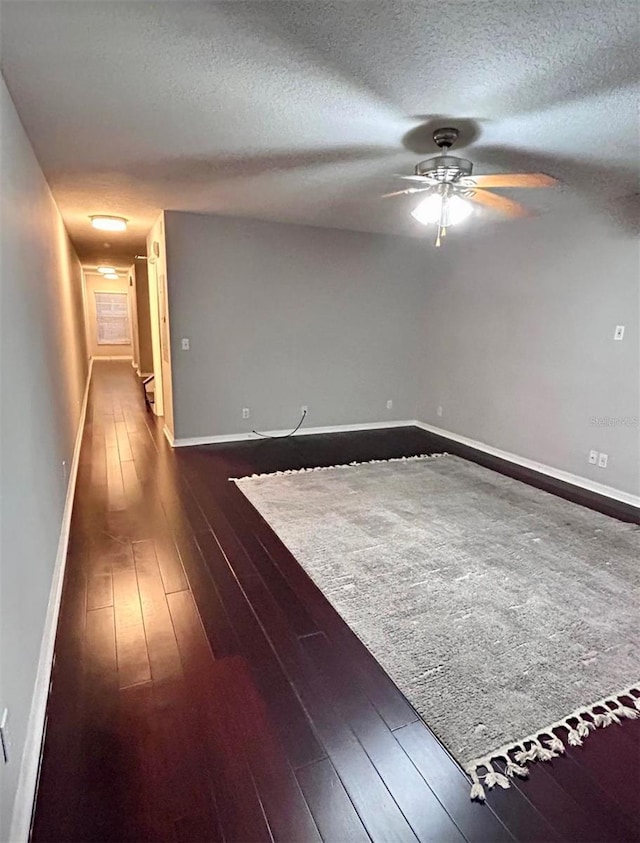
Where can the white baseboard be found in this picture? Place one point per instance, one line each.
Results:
(550, 471)
(306, 431)
(30, 763)
(169, 436)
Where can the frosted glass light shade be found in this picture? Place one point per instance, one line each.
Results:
(430, 210)
(106, 223)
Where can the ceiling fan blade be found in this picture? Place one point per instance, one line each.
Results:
(422, 179)
(406, 192)
(514, 180)
(499, 203)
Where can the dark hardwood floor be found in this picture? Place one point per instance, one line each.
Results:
(204, 689)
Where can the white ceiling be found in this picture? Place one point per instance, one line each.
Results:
(303, 111)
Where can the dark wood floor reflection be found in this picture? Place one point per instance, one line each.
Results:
(204, 690)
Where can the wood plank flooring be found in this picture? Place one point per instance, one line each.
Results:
(205, 690)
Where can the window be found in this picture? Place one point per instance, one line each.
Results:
(112, 319)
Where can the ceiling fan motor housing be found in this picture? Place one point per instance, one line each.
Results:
(445, 168)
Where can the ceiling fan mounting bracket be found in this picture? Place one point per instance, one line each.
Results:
(446, 137)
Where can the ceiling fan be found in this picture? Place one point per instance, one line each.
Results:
(451, 187)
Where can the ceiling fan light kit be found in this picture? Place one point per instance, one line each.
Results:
(451, 187)
(442, 207)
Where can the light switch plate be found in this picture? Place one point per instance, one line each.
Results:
(619, 332)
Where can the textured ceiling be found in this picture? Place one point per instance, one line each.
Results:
(303, 111)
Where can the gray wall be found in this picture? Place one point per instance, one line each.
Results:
(518, 343)
(43, 364)
(509, 329)
(284, 315)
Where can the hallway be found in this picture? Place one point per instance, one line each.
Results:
(203, 689)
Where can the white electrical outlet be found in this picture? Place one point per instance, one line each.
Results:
(619, 332)
(602, 460)
(593, 457)
(5, 737)
(304, 409)
(439, 410)
(245, 413)
(389, 404)
(184, 343)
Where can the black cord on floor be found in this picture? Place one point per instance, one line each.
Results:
(284, 435)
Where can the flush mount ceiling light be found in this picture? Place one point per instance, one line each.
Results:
(105, 269)
(107, 223)
(451, 187)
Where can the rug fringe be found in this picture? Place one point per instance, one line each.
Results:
(547, 744)
(333, 467)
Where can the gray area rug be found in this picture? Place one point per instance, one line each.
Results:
(507, 616)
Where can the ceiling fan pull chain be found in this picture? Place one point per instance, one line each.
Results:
(444, 213)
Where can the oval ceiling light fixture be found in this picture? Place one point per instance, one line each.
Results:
(108, 223)
(105, 269)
